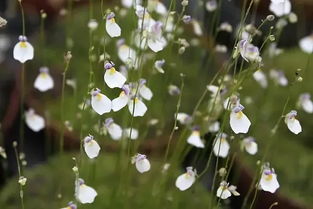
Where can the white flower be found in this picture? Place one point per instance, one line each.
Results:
(194, 139)
(280, 7)
(306, 44)
(34, 122)
(248, 51)
(211, 5)
(214, 127)
(99, 102)
(114, 129)
(224, 191)
(144, 91)
(113, 78)
(70, 205)
(84, 194)
(279, 77)
(184, 118)
(197, 28)
(134, 133)
(225, 26)
(141, 162)
(23, 50)
(126, 53)
(250, 145)
(139, 109)
(173, 90)
(305, 102)
(268, 180)
(3, 153)
(239, 122)
(112, 28)
(122, 100)
(260, 77)
(221, 146)
(186, 180)
(44, 81)
(220, 48)
(156, 42)
(292, 123)
(91, 147)
(92, 24)
(158, 65)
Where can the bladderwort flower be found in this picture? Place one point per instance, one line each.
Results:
(306, 44)
(260, 77)
(184, 118)
(141, 162)
(112, 28)
(133, 135)
(305, 102)
(186, 180)
(44, 81)
(99, 102)
(113, 78)
(292, 123)
(279, 77)
(3, 153)
(194, 139)
(93, 24)
(224, 191)
(33, 121)
(91, 147)
(249, 145)
(221, 48)
(144, 91)
(126, 53)
(22, 180)
(23, 50)
(221, 146)
(186, 19)
(211, 5)
(158, 65)
(214, 127)
(70, 205)
(268, 181)
(248, 51)
(173, 90)
(239, 122)
(83, 193)
(156, 42)
(225, 26)
(196, 27)
(114, 129)
(157, 6)
(122, 100)
(140, 108)
(280, 7)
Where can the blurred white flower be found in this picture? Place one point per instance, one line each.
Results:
(194, 138)
(260, 77)
(70, 205)
(292, 123)
(225, 26)
(44, 81)
(305, 102)
(225, 191)
(133, 135)
(92, 24)
(248, 51)
(144, 91)
(139, 109)
(211, 5)
(280, 7)
(34, 122)
(23, 50)
(249, 145)
(306, 44)
(158, 65)
(186, 180)
(184, 118)
(141, 162)
(221, 146)
(214, 127)
(114, 129)
(279, 77)
(196, 27)
(126, 53)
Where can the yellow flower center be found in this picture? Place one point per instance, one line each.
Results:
(99, 97)
(43, 75)
(112, 70)
(239, 115)
(23, 44)
(269, 177)
(112, 20)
